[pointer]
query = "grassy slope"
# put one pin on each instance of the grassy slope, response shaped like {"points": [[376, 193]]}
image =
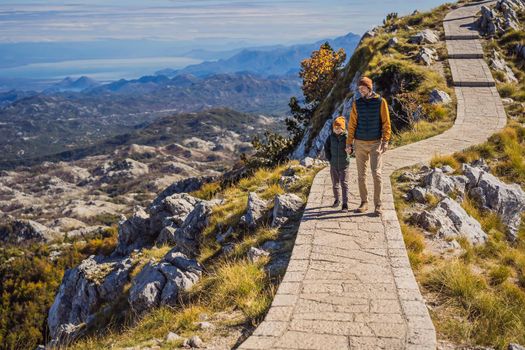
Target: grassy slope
{"points": [[373, 57], [234, 293], [478, 298]]}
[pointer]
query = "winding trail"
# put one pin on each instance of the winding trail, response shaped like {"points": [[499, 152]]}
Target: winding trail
{"points": [[349, 284]]}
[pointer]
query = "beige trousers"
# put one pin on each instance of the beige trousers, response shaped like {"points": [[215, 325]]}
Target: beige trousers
{"points": [[365, 151]]}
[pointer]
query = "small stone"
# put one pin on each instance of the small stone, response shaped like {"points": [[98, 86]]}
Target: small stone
{"points": [[286, 182], [285, 206], [454, 244], [255, 211], [447, 169], [408, 177], [206, 325], [172, 337], [393, 42], [438, 96], [195, 342], [222, 237], [427, 36], [514, 346], [307, 162], [228, 248], [426, 55], [254, 254], [271, 245]]}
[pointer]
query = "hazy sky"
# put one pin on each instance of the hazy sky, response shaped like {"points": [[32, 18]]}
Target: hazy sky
{"points": [[251, 22]]}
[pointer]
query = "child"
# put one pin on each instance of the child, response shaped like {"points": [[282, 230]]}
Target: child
{"points": [[335, 152]]}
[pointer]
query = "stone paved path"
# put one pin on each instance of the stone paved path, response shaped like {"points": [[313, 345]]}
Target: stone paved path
{"points": [[349, 284]]}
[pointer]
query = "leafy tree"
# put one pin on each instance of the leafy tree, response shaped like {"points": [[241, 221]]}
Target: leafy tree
{"points": [[29, 280], [319, 72]]}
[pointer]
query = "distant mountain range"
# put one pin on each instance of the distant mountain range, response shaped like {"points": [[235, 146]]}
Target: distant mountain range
{"points": [[274, 60], [46, 124], [70, 84]]}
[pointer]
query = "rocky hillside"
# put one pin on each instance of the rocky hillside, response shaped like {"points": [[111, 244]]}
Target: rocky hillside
{"points": [[83, 196], [193, 251], [464, 227], [406, 58], [463, 216]]}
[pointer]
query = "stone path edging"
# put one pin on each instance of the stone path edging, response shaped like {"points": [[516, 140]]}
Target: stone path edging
{"points": [[349, 284]]}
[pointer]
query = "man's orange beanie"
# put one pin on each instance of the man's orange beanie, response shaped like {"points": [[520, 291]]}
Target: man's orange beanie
{"points": [[339, 122], [366, 82]]}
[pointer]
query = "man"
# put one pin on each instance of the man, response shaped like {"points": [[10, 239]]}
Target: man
{"points": [[369, 132]]}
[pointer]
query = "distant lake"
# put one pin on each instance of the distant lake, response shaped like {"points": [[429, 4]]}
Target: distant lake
{"points": [[98, 69]]}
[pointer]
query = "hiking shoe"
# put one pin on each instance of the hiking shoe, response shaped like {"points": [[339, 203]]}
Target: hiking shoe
{"points": [[378, 210], [336, 203], [344, 207], [362, 208]]}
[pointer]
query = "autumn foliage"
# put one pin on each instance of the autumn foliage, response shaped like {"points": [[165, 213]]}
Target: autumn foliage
{"points": [[319, 72]]}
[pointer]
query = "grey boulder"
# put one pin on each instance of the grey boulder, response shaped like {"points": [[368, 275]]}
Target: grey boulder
{"points": [[439, 96], [84, 289], [255, 212], [160, 283], [426, 36], [449, 220], [285, 207]]}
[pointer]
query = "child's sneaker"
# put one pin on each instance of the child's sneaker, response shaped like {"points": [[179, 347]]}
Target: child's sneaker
{"points": [[345, 207], [336, 203]]}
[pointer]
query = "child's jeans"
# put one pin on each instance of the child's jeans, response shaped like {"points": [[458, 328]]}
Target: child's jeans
{"points": [[340, 180]]}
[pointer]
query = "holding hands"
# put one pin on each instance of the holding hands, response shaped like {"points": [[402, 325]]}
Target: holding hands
{"points": [[384, 146]]}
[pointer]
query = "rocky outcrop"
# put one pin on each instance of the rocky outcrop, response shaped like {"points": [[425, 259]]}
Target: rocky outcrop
{"points": [[187, 236], [499, 64], [449, 220], [122, 169], [82, 293], [255, 211], [18, 231], [160, 284], [171, 211], [317, 142], [134, 232], [490, 193], [285, 207], [507, 200], [176, 219], [438, 180], [186, 185], [500, 19]]}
